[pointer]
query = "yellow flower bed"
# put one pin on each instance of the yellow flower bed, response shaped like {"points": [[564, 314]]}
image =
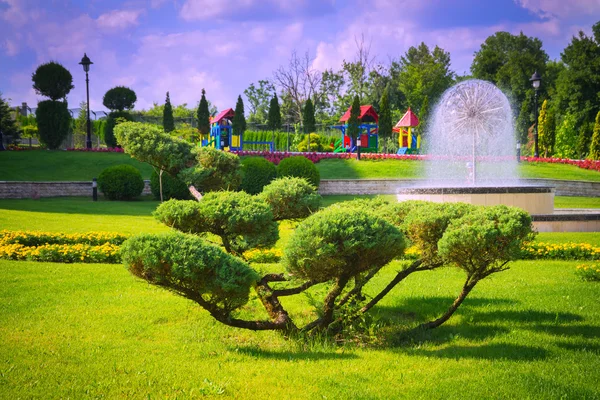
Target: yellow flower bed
{"points": [[263, 256], [563, 251], [91, 247], [588, 272]]}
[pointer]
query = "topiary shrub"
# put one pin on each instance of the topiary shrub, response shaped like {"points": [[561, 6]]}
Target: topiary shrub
{"points": [[191, 267], [121, 182], [256, 173], [242, 221], [172, 187], [215, 170], [291, 198], [53, 120], [114, 118], [119, 98], [316, 143], [300, 167], [52, 80]]}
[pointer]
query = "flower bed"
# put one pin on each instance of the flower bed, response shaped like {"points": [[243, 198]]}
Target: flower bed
{"points": [[588, 272], [585, 164], [31, 238], [97, 149], [563, 251]]}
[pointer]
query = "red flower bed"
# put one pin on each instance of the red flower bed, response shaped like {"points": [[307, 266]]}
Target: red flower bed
{"points": [[585, 164], [98, 149]]}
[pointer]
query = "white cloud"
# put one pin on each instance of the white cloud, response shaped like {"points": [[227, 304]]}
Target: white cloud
{"points": [[10, 47], [561, 8], [205, 9], [119, 19]]}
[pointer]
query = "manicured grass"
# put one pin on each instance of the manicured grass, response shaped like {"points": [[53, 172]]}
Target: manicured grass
{"points": [[576, 202], [46, 165], [88, 331], [43, 165]]}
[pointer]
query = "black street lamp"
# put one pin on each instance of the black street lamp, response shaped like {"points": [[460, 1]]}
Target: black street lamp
{"points": [[86, 62], [536, 80]]}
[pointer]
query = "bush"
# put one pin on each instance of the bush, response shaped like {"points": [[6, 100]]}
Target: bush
{"points": [[114, 118], [62, 253], [188, 265], [172, 187], [291, 198], [588, 272], [242, 221], [256, 173], [119, 98], [53, 81], [337, 243], [300, 167], [121, 182], [33, 238], [315, 143], [216, 170], [54, 120]]}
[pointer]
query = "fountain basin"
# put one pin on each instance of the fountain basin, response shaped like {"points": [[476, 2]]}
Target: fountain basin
{"points": [[533, 199]]}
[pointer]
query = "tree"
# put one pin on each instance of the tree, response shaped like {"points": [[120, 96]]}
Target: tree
{"points": [[8, 127], [203, 115], [594, 153], [424, 73], [385, 118], [509, 61], [168, 121], [239, 120], [119, 98], [258, 100], [424, 116], [584, 138], [308, 117], [353, 122], [80, 126], [274, 121], [566, 137], [52, 80], [545, 138]]}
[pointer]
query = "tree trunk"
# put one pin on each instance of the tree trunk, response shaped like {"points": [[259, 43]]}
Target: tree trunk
{"points": [[329, 304], [160, 184], [468, 286]]}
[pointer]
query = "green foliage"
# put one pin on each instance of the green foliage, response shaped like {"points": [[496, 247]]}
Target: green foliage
{"points": [[566, 137], [239, 120], [188, 265], [203, 115], [385, 116], [114, 118], [595, 144], [214, 170], [52, 80], [7, 123], [121, 182], [274, 121], [583, 139], [243, 222], [423, 116], [308, 117], [168, 121], [483, 240], [291, 198], [148, 143], [172, 187], [300, 167], [546, 129], [257, 172], [317, 143], [353, 122], [336, 243], [54, 121], [258, 100], [119, 98], [423, 73]]}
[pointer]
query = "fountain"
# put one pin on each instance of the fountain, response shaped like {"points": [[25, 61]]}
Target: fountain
{"points": [[471, 153]]}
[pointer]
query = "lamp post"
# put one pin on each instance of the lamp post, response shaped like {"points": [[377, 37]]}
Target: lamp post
{"points": [[536, 80], [86, 62]]}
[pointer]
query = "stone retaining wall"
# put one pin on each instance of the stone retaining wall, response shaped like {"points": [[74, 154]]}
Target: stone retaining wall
{"points": [[20, 190], [26, 190]]}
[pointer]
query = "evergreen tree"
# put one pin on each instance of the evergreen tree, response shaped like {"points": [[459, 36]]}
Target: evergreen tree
{"points": [[204, 115], [424, 116], [80, 126], [274, 121], [353, 121], [168, 121], [239, 120], [385, 117], [543, 134], [8, 126], [308, 117], [594, 153]]}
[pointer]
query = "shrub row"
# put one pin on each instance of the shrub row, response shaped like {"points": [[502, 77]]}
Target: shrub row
{"points": [[64, 253], [36, 238]]}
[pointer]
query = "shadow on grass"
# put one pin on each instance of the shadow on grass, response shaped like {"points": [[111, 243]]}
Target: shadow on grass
{"points": [[526, 317], [586, 331], [583, 347], [144, 206], [498, 351], [293, 355]]}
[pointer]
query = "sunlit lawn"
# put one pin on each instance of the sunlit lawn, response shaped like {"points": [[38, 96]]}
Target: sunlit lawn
{"points": [[93, 330]]}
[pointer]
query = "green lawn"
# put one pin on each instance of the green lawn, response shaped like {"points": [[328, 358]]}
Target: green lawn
{"points": [[93, 330], [44, 165], [576, 202]]}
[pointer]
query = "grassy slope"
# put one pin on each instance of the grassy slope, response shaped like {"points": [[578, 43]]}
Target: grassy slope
{"points": [[79, 331], [44, 165]]}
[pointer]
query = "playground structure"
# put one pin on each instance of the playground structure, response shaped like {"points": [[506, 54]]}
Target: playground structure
{"points": [[221, 134], [408, 142], [368, 128]]}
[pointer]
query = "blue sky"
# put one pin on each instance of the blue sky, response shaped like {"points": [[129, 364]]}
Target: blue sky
{"points": [[182, 46]]}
